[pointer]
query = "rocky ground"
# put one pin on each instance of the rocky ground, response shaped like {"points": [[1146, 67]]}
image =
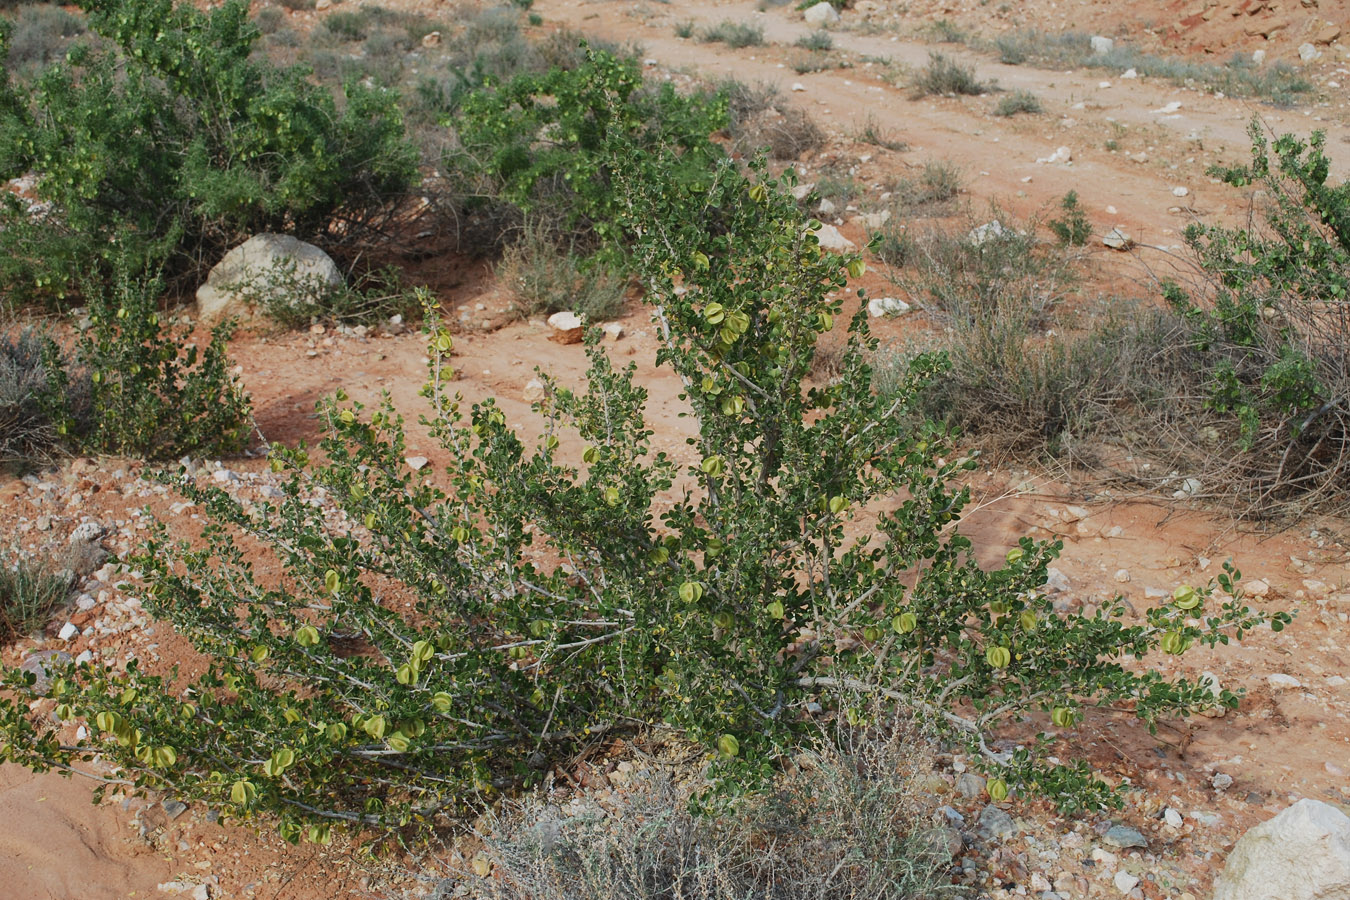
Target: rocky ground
{"points": [[1195, 787]]}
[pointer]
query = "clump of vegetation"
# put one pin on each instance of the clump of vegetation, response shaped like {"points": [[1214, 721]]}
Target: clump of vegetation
{"points": [[28, 432], [293, 300], [938, 184], [1270, 325], [172, 137], [847, 819], [30, 591], [547, 279], [817, 41], [1072, 229], [1018, 102], [153, 394], [39, 34], [946, 77], [876, 134], [1239, 77], [947, 32], [734, 34]]}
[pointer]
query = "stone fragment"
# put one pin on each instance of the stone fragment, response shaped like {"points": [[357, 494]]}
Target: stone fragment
{"points": [[830, 239], [568, 328], [879, 307], [1281, 682], [416, 463], [613, 331], [1123, 837], [1117, 239], [1102, 45], [534, 391], [821, 15], [994, 823], [970, 785], [1301, 854], [1125, 882], [40, 664]]}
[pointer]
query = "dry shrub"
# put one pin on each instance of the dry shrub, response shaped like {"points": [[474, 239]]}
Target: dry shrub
{"points": [[846, 820]]}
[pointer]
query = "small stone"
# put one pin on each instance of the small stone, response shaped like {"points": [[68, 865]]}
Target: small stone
{"points": [[1280, 682], [68, 631], [1221, 781], [821, 15], [1327, 34], [831, 240], [1102, 45], [568, 327], [416, 463], [970, 785], [85, 532], [1130, 73], [1257, 588], [534, 391], [1172, 818], [1123, 837], [1180, 191], [798, 86], [885, 307], [827, 208], [1333, 769], [174, 808], [431, 39], [613, 331], [1169, 108], [1123, 576], [1125, 882], [989, 231], [995, 823], [1116, 239], [1189, 488], [1258, 56], [1308, 52], [1056, 580], [38, 663]]}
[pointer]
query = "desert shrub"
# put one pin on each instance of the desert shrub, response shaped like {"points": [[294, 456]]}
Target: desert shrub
{"points": [[1018, 102], [946, 77], [40, 34], [153, 393], [433, 643], [30, 591], [1072, 229], [816, 41], [1271, 325], [297, 4], [547, 278], [28, 431], [170, 135], [564, 184], [347, 25], [269, 19], [733, 34], [947, 32], [847, 819], [873, 132], [685, 29]]}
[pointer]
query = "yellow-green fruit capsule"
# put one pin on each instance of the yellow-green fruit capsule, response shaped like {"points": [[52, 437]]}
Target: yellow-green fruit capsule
{"points": [[998, 789], [691, 592], [1186, 597], [905, 623], [998, 657], [1014, 556], [728, 746]]}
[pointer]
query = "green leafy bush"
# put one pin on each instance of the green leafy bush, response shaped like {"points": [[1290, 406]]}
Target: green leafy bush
{"points": [[435, 642], [1018, 102], [565, 183], [153, 393], [1072, 229], [1270, 327], [946, 77], [734, 34], [171, 135]]}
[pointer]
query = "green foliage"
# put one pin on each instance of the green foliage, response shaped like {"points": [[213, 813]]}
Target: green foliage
{"points": [[946, 77], [567, 180], [41, 33], [153, 393], [171, 135], [1018, 102], [1273, 333], [296, 301], [1073, 229], [435, 641], [30, 591]]}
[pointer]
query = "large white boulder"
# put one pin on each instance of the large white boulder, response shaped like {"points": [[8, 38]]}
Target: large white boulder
{"points": [[1301, 854], [263, 262], [821, 15]]}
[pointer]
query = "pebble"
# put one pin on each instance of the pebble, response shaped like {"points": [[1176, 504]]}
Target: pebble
{"points": [[1221, 781], [416, 462], [1180, 191], [970, 785], [1125, 882], [1123, 837], [1123, 575], [37, 664], [995, 823], [68, 631], [1280, 681], [1172, 817]]}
